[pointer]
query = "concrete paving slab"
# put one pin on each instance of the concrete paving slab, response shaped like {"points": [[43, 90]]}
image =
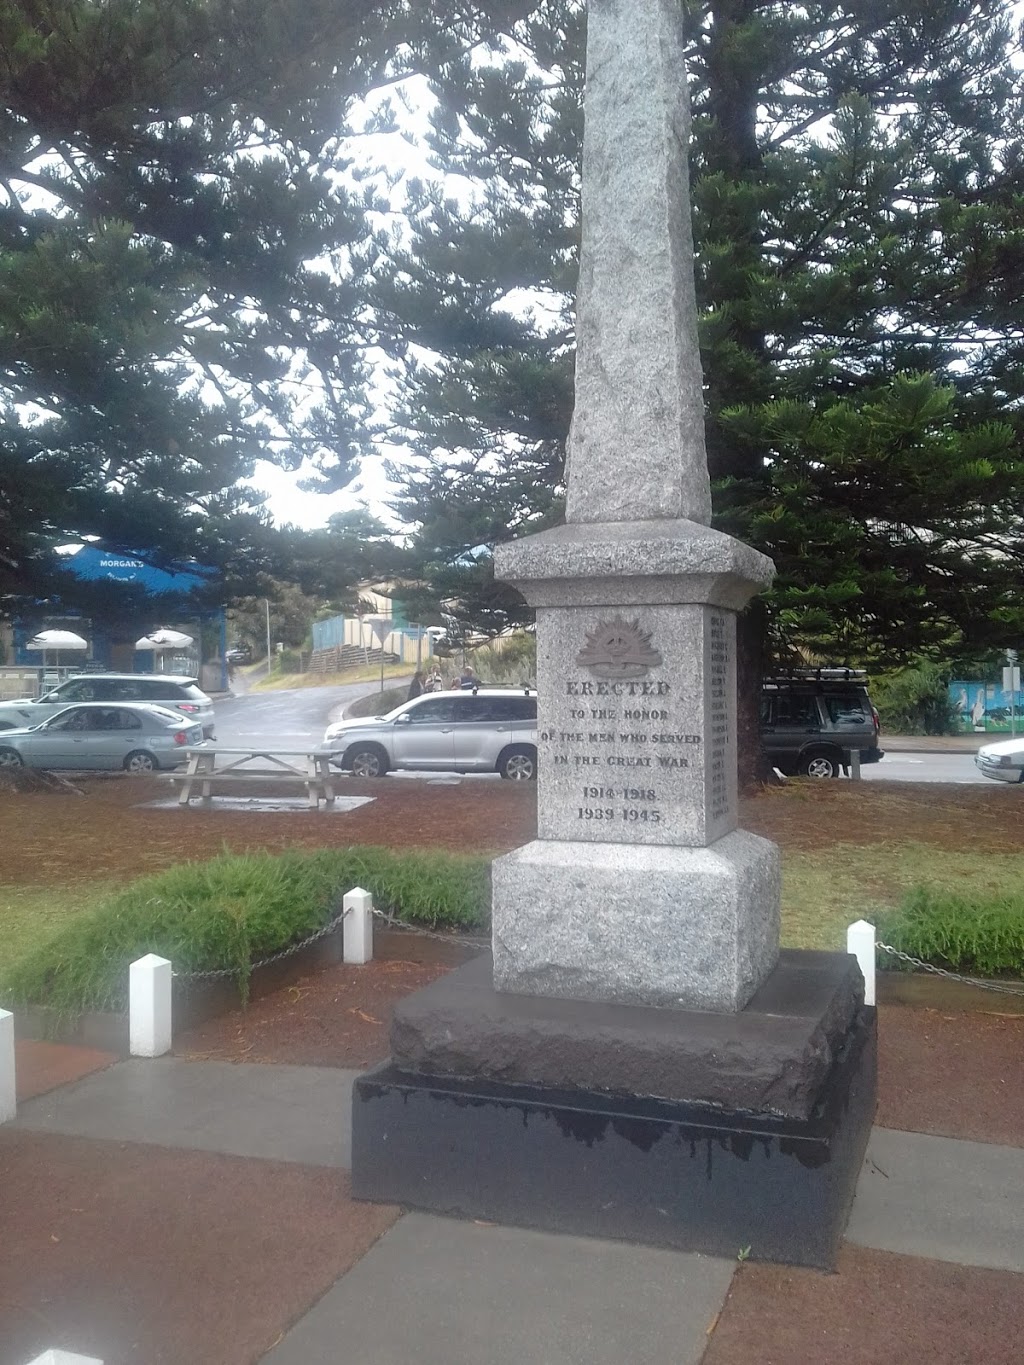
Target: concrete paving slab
{"points": [[940, 1197], [441, 1292], [281, 1113]]}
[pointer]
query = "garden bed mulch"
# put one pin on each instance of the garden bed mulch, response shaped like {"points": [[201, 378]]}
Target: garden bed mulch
{"points": [[53, 837], [810, 815], [879, 1309], [146, 1255], [41, 1065], [954, 1075], [337, 1016]]}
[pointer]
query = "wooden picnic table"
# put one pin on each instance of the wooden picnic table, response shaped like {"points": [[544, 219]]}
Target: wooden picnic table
{"points": [[207, 766]]}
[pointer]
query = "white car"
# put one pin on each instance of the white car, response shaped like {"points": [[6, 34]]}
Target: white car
{"points": [[171, 690], [485, 729], [1003, 761]]}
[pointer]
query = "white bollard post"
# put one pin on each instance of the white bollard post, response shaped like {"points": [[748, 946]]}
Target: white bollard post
{"points": [[357, 934], [8, 1092], [64, 1358], [149, 1006], [860, 940]]}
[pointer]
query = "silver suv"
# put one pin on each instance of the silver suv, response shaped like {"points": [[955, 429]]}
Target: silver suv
{"points": [[482, 730], [168, 689]]}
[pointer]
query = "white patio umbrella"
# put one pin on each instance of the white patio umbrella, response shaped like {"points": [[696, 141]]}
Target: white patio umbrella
{"points": [[163, 639], [56, 640]]}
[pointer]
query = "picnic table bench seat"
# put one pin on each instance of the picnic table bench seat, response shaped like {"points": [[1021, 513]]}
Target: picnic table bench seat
{"points": [[308, 767]]}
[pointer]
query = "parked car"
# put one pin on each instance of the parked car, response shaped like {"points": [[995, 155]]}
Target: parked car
{"points": [[173, 690], [812, 719], [487, 729], [138, 737], [1003, 761], [239, 654]]}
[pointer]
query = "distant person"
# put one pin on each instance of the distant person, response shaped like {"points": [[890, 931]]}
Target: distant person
{"points": [[435, 683], [469, 678], [416, 686], [456, 683]]}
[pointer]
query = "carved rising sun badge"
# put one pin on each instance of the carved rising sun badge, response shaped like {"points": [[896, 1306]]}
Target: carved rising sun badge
{"points": [[619, 649]]}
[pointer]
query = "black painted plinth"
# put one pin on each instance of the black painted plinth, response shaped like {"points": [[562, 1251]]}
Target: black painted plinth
{"points": [[666, 1173], [775, 1055]]}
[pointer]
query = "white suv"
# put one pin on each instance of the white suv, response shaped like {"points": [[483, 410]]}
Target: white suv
{"points": [[168, 689], [478, 730]]}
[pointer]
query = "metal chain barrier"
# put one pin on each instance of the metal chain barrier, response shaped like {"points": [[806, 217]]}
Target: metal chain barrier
{"points": [[472, 941], [996, 986], [218, 973], [481, 941]]}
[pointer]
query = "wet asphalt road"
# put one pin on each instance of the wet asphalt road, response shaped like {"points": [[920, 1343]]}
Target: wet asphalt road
{"points": [[281, 719], [956, 768]]}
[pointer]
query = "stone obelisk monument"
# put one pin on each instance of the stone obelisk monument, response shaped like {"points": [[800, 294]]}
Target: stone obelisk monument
{"points": [[640, 1061], [639, 888]]}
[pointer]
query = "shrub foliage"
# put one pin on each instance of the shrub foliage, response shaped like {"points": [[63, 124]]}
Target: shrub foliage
{"points": [[972, 934], [234, 910]]}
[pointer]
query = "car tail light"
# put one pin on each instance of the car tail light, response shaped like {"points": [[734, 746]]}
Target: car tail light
{"points": [[181, 737], [187, 706], [877, 719]]}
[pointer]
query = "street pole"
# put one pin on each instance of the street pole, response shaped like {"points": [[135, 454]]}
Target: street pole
{"points": [[1011, 659], [267, 601]]}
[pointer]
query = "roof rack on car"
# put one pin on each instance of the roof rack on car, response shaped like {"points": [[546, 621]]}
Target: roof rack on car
{"points": [[525, 688], [790, 675]]}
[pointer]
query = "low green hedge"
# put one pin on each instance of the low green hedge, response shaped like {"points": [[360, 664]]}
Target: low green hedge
{"points": [[232, 911], [976, 935]]}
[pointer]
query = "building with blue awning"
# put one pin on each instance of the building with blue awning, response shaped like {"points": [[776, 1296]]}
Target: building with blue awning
{"points": [[163, 598]]}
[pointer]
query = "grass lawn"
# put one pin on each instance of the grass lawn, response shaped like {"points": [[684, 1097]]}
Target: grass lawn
{"points": [[257, 679], [30, 914], [824, 892], [848, 849]]}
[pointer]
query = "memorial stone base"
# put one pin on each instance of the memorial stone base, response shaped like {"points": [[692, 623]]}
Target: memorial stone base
{"points": [[688, 928], [688, 1129]]}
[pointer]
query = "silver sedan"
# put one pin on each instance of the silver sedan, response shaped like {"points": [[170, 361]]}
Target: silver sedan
{"points": [[139, 737]]}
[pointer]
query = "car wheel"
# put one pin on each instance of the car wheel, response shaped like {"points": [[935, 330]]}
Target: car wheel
{"points": [[519, 764], [139, 761], [10, 758], [822, 763], [367, 760]]}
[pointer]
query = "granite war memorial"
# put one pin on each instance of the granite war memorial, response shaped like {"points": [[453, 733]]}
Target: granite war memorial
{"points": [[636, 1058]]}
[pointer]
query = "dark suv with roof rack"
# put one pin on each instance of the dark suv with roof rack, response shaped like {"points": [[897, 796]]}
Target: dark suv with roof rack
{"points": [[812, 720]]}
